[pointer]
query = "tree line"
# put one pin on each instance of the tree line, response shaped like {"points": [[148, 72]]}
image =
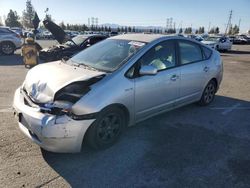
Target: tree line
{"points": [[14, 20]]}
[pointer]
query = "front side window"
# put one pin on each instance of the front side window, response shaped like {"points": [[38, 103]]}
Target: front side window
{"points": [[161, 56], [107, 55], [189, 52]]}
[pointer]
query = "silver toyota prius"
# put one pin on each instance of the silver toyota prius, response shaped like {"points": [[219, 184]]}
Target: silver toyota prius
{"points": [[118, 82]]}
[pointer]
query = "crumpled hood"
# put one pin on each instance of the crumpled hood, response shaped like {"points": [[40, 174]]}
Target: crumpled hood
{"points": [[43, 81]]}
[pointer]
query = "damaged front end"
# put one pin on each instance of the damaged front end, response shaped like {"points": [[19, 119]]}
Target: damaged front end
{"points": [[52, 125], [66, 97]]}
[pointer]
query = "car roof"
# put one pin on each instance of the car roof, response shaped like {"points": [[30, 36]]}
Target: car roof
{"points": [[4, 27], [139, 37], [92, 35]]}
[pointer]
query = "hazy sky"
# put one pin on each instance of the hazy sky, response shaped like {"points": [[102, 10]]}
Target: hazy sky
{"points": [[140, 12]]}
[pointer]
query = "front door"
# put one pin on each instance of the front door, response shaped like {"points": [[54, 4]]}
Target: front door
{"points": [[156, 93]]}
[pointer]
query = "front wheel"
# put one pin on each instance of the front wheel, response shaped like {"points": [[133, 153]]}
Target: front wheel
{"points": [[106, 129], [7, 48], [208, 94]]}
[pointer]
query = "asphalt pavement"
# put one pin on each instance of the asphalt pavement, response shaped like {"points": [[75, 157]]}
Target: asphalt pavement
{"points": [[191, 146]]}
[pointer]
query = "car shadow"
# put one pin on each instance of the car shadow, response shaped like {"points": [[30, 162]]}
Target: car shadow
{"points": [[13, 60], [188, 147], [237, 52], [10, 60]]}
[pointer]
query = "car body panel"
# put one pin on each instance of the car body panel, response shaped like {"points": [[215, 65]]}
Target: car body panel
{"points": [[58, 134], [43, 88], [152, 87], [56, 31], [142, 97], [6, 35]]}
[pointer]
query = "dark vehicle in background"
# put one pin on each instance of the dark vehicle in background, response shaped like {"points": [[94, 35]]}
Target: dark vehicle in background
{"points": [[113, 33], [239, 39], [67, 47], [9, 41], [246, 38]]}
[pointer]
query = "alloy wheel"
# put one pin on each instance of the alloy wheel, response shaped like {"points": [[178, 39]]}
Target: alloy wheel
{"points": [[109, 128]]}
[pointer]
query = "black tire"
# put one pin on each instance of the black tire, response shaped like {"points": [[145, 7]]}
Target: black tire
{"points": [[208, 94], [7, 48], [103, 133]]}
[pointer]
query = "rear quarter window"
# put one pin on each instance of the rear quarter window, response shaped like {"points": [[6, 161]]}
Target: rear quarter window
{"points": [[189, 52], [206, 52]]}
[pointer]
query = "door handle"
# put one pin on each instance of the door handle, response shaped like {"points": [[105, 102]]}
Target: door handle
{"points": [[174, 77], [206, 69]]}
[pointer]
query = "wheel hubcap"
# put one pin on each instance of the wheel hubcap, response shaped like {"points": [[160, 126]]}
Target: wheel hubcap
{"points": [[7, 48], [209, 93], [109, 127]]}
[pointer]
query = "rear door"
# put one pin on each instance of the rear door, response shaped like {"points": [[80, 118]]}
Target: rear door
{"points": [[192, 71], [156, 93]]}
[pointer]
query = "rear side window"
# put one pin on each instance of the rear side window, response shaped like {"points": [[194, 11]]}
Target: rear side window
{"points": [[189, 52], [207, 52]]}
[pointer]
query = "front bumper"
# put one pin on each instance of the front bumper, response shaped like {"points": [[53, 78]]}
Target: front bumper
{"points": [[53, 133]]}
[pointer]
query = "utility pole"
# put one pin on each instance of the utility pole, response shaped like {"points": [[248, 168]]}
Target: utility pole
{"points": [[229, 21]]}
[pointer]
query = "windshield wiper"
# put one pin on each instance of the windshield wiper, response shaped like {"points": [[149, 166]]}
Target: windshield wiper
{"points": [[89, 67]]}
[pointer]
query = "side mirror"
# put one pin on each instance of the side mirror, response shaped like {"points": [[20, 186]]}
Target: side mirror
{"points": [[148, 70]]}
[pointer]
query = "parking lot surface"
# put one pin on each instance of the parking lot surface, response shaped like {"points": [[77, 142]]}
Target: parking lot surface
{"points": [[189, 147]]}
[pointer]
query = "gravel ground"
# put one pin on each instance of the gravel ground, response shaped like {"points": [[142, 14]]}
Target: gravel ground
{"points": [[189, 147]]}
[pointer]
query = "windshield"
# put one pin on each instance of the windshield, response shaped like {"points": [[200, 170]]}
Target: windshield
{"points": [[78, 40], [108, 55]]}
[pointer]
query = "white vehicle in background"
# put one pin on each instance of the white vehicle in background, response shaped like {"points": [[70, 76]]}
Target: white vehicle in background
{"points": [[218, 43], [9, 41]]}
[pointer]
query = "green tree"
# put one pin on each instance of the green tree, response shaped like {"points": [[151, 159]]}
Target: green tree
{"points": [[196, 31], [12, 19], [217, 30], [180, 30], [28, 15], [133, 29], [236, 29], [212, 31], [188, 30], [1, 23], [48, 17], [201, 30], [62, 25]]}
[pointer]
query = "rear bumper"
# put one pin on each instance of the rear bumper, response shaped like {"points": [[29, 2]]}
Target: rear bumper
{"points": [[53, 133]]}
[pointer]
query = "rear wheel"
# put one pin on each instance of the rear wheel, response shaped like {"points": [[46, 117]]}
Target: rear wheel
{"points": [[7, 48], [106, 129], [208, 94]]}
